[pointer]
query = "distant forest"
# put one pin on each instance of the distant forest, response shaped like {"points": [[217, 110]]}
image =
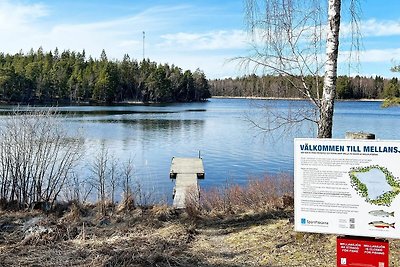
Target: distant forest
{"points": [[71, 77], [277, 86]]}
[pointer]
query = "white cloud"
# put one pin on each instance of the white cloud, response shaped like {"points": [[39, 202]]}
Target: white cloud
{"points": [[380, 28], [373, 55], [130, 43], [25, 27], [373, 28], [19, 17], [213, 40], [214, 66]]}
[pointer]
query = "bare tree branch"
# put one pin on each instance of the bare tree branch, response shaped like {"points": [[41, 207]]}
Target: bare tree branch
{"points": [[299, 40], [37, 156]]}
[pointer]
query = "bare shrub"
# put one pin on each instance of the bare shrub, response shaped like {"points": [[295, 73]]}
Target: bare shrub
{"points": [[287, 201], [114, 177], [128, 199], [127, 174], [212, 200], [108, 176], [143, 196], [192, 202], [99, 171], [104, 208], [258, 195], [77, 189], [37, 156], [105, 178]]}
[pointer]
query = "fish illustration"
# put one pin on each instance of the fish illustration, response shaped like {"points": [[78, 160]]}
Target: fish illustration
{"points": [[381, 213], [381, 224]]}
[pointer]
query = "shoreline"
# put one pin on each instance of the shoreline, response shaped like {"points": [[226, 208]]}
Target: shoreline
{"points": [[291, 98], [149, 103]]}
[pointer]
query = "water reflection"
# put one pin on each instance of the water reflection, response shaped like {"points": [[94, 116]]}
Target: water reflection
{"points": [[94, 112], [151, 124]]}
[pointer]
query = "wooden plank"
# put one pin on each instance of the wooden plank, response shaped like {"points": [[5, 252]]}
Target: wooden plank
{"points": [[185, 184], [186, 171], [187, 165]]}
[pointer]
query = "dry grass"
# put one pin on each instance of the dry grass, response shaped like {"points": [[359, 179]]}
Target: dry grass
{"points": [[127, 203], [248, 226], [160, 236], [267, 194], [135, 239], [275, 244]]}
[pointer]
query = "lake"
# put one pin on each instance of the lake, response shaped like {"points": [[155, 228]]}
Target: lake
{"points": [[375, 181], [233, 150]]}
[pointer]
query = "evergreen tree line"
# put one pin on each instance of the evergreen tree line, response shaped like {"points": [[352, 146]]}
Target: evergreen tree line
{"points": [[278, 86], [70, 77]]}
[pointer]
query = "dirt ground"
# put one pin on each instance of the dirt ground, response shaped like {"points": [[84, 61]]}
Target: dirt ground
{"points": [[162, 237]]}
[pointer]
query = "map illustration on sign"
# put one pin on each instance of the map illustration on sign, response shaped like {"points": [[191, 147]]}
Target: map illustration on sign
{"points": [[375, 184]]}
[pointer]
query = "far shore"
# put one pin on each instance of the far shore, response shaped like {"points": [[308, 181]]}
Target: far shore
{"points": [[291, 98]]}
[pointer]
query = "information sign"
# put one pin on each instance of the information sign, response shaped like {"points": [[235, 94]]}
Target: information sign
{"points": [[365, 252], [347, 187]]}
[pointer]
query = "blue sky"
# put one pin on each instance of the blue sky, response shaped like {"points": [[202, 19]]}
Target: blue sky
{"points": [[191, 34]]}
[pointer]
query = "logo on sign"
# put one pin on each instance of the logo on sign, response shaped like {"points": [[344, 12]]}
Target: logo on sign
{"points": [[304, 221], [343, 261]]}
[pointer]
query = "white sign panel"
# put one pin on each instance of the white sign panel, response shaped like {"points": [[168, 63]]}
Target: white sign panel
{"points": [[347, 187]]}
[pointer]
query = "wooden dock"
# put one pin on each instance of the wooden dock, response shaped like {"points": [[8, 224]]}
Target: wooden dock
{"points": [[186, 171]]}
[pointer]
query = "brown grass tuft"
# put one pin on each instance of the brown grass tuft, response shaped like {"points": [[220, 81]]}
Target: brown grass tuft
{"points": [[269, 193], [127, 203], [192, 202], [75, 213]]}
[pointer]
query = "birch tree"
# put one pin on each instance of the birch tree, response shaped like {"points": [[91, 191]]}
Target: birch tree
{"points": [[325, 122], [299, 40]]}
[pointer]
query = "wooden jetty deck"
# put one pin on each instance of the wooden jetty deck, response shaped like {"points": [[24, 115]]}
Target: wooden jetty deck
{"points": [[186, 171]]}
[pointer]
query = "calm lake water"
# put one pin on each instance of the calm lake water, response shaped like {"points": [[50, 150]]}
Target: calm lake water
{"points": [[232, 149]]}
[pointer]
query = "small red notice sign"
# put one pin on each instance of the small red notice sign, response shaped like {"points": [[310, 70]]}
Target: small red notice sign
{"points": [[359, 251]]}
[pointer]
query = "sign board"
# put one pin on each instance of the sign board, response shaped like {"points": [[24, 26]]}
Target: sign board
{"points": [[347, 187], [365, 252]]}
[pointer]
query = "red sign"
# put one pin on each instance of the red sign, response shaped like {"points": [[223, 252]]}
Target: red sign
{"points": [[359, 251]]}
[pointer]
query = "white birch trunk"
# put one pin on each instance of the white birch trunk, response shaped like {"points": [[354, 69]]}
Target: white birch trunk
{"points": [[332, 46]]}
